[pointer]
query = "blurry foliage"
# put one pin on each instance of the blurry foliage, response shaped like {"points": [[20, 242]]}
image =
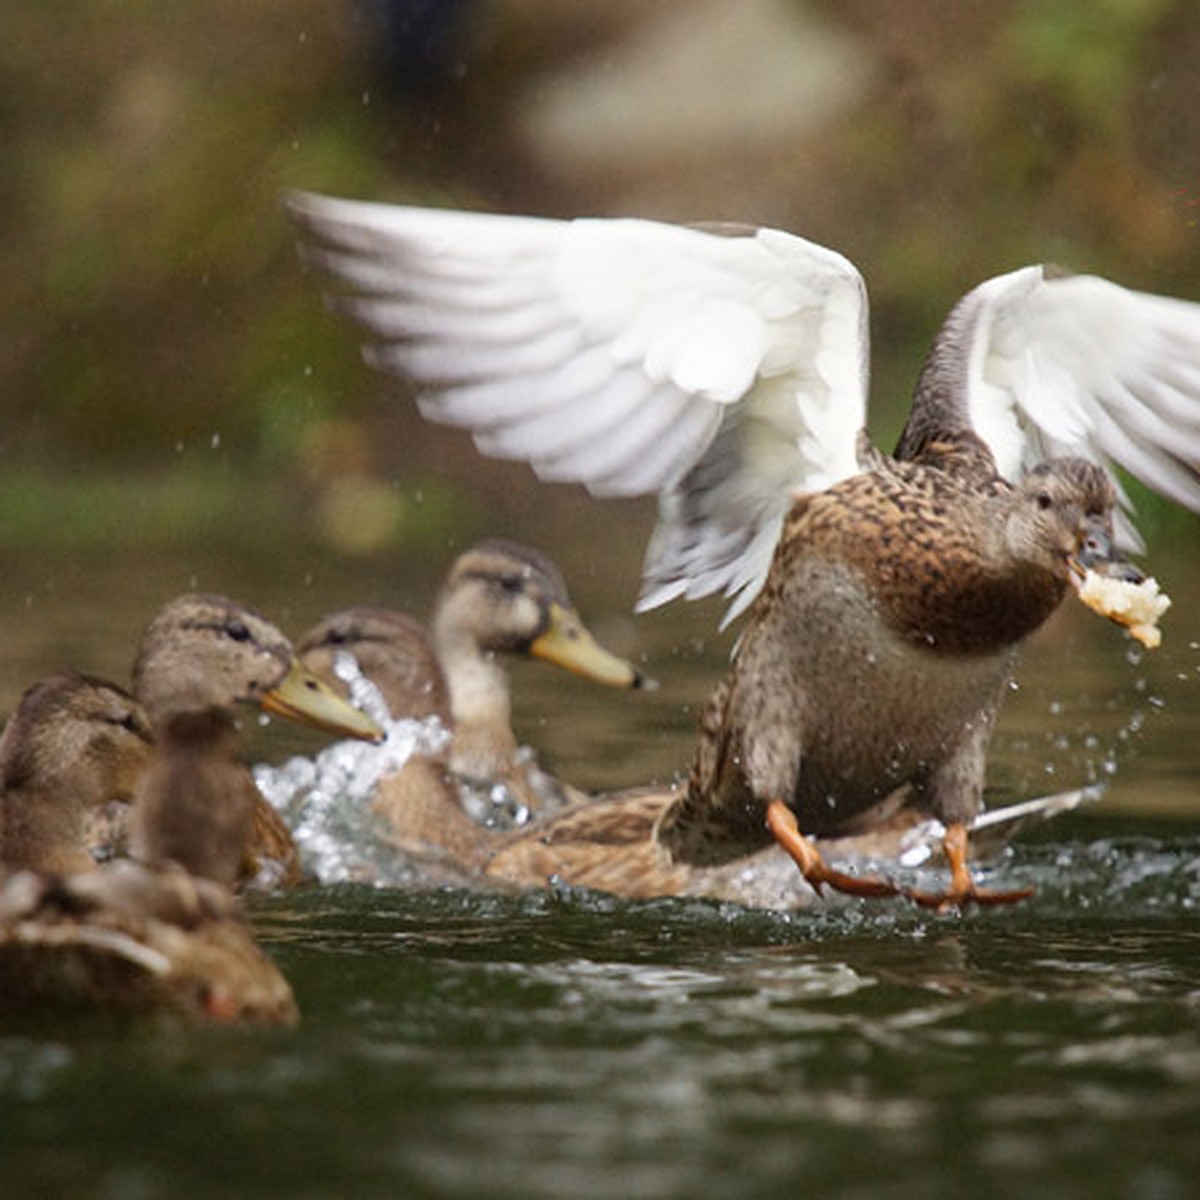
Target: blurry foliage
{"points": [[153, 298]]}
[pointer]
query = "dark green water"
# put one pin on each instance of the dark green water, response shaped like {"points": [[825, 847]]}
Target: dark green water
{"points": [[566, 1044], [556, 1045]]}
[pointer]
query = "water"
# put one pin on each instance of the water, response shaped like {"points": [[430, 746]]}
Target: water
{"points": [[563, 1043]]}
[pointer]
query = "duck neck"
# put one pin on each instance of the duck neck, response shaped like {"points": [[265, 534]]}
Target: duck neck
{"points": [[480, 704]]}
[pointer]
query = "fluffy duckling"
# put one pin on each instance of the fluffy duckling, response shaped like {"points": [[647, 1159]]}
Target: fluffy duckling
{"points": [[498, 599], [74, 745], [725, 369]]}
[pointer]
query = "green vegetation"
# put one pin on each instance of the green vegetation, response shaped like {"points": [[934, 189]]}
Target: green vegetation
{"points": [[153, 296]]}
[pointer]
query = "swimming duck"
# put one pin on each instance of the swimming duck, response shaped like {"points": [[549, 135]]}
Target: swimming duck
{"points": [[199, 657], [725, 369], [499, 599], [73, 745], [130, 938], [162, 933], [125, 936]]}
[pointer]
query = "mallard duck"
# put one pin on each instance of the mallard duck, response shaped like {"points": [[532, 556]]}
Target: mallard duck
{"points": [[130, 938], [499, 599], [613, 844], [725, 369], [126, 936], [162, 933], [199, 657], [73, 745]]}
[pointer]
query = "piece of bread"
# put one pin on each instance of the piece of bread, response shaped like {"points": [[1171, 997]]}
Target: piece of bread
{"points": [[1137, 606]]}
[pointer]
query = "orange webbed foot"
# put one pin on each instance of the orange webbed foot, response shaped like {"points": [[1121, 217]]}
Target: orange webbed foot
{"points": [[781, 821], [962, 890]]}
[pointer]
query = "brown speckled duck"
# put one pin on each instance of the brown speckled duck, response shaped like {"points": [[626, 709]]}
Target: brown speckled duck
{"points": [[161, 934], [499, 599], [725, 369], [199, 657], [73, 746]]}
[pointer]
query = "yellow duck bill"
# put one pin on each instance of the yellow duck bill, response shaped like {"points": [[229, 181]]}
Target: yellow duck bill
{"points": [[567, 643], [300, 696]]}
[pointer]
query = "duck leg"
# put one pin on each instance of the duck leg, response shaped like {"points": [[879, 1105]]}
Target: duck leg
{"points": [[781, 821], [963, 889]]}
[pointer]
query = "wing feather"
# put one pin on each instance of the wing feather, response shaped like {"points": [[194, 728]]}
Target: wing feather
{"points": [[721, 372], [1076, 364]]}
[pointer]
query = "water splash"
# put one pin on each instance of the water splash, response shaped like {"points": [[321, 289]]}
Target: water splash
{"points": [[326, 800]]}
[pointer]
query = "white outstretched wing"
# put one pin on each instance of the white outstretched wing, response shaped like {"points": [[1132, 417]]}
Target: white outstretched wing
{"points": [[1074, 364], [723, 370]]}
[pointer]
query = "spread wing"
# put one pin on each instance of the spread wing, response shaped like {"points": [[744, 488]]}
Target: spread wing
{"points": [[1041, 364], [720, 369]]}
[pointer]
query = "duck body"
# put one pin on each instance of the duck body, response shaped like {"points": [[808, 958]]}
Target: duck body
{"points": [[136, 940], [879, 650], [198, 798]]}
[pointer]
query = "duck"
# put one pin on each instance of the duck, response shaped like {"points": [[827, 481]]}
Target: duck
{"points": [[500, 599], [162, 932], [612, 844], [126, 936], [199, 657], [74, 745], [129, 939], [724, 369]]}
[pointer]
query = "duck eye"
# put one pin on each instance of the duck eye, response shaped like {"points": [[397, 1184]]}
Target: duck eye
{"points": [[237, 631], [1044, 500], [128, 722], [510, 583], [336, 637]]}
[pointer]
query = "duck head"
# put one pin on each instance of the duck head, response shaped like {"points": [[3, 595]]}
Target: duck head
{"points": [[205, 651], [392, 650], [502, 598], [74, 744], [1062, 521]]}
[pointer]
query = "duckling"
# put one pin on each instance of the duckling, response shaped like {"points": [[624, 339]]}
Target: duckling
{"points": [[499, 598], [725, 369], [73, 745], [199, 656]]}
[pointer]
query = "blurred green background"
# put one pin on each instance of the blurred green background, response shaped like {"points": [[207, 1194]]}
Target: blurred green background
{"points": [[168, 375]]}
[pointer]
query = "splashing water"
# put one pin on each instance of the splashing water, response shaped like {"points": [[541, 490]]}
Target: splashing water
{"points": [[326, 800]]}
